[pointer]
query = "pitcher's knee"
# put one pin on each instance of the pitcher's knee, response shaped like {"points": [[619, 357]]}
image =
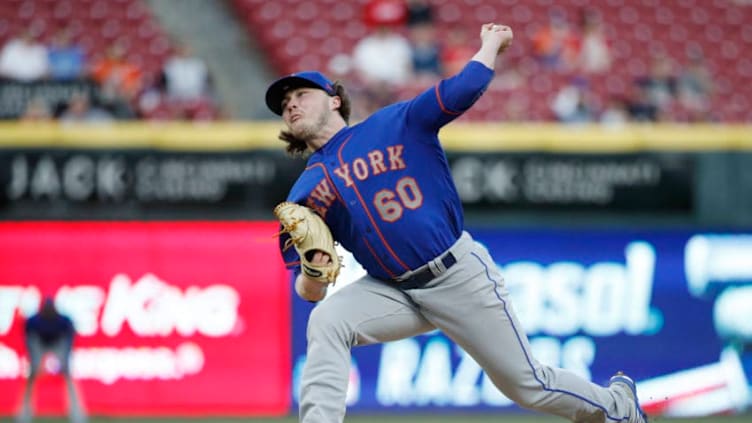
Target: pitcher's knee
{"points": [[525, 401], [327, 322]]}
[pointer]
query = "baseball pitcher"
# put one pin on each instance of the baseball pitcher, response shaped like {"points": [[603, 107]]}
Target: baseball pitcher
{"points": [[382, 189]]}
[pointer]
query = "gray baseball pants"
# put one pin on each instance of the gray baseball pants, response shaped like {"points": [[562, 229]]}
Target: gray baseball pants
{"points": [[62, 350], [468, 303]]}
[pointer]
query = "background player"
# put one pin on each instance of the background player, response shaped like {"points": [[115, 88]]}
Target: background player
{"points": [[384, 188], [48, 331]]}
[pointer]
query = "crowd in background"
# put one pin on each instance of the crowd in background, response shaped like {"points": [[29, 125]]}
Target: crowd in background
{"points": [[181, 90], [404, 49]]}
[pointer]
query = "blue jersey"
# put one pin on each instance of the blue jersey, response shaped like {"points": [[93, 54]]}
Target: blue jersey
{"points": [[384, 186], [50, 329]]}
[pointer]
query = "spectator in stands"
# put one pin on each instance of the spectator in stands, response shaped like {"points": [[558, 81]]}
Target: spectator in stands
{"points": [[595, 54], [382, 60], [80, 109], [660, 84], [640, 106], [556, 45], [186, 76], [615, 114], [23, 58], [184, 88], [37, 110], [572, 104], [426, 52], [116, 75], [49, 331], [66, 60], [694, 88], [426, 47], [384, 56]]}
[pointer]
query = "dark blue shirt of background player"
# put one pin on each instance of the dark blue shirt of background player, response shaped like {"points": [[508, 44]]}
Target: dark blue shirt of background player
{"points": [[49, 326]]}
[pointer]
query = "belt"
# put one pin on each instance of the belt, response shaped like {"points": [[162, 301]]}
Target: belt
{"points": [[425, 275]]}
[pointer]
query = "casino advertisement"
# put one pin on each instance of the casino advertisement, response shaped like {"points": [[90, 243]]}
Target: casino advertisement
{"points": [[173, 318], [670, 308]]}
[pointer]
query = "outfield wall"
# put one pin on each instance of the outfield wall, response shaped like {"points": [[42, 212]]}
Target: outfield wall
{"points": [[688, 174], [622, 249]]}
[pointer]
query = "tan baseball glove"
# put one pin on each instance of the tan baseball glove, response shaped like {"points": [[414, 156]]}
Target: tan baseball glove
{"points": [[309, 234]]}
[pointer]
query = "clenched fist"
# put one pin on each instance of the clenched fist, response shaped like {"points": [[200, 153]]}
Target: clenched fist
{"points": [[498, 35]]}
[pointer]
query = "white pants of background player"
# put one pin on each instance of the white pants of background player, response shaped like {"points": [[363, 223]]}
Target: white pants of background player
{"points": [[470, 304], [61, 350]]}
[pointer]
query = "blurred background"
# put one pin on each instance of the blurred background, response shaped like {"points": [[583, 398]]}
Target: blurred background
{"points": [[608, 168]]}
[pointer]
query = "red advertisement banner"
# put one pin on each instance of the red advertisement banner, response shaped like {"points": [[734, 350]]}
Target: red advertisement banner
{"points": [[172, 318]]}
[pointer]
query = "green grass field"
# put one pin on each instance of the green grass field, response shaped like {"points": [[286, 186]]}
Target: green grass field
{"points": [[405, 418]]}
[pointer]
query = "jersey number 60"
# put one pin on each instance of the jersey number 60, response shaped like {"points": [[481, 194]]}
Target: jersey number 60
{"points": [[390, 204]]}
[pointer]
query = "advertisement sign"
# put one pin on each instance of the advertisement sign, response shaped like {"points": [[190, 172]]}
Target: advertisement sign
{"points": [[624, 181], [180, 319], [163, 184], [142, 184], [670, 308]]}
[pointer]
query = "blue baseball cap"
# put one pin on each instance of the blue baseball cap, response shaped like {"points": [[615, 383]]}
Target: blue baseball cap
{"points": [[311, 79]]}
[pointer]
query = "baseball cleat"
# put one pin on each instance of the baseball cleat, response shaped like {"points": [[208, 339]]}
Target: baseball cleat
{"points": [[628, 385]]}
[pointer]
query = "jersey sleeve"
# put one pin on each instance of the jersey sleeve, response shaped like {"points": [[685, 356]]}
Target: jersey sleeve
{"points": [[451, 97]]}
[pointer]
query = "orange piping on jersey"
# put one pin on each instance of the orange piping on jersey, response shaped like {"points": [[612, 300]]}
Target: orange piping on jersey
{"points": [[441, 104], [368, 213], [292, 263], [376, 256], [326, 175]]}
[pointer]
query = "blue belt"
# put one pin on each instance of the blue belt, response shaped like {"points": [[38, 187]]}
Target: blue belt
{"points": [[420, 278]]}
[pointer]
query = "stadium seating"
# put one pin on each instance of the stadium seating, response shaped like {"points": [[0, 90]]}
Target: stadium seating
{"points": [[94, 24], [303, 35], [97, 24]]}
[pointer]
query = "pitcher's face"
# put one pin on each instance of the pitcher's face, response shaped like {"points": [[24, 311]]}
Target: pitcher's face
{"points": [[306, 111]]}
